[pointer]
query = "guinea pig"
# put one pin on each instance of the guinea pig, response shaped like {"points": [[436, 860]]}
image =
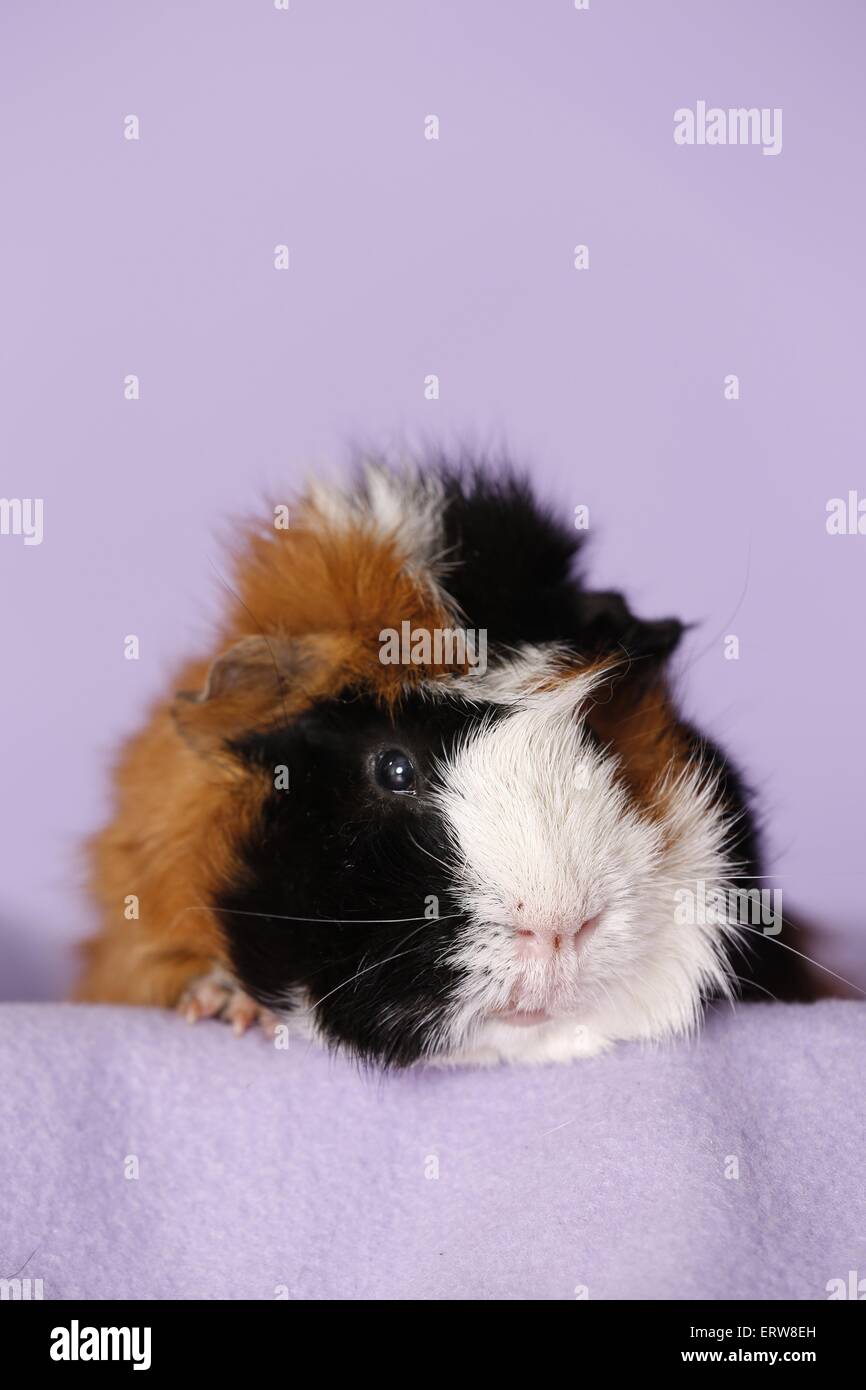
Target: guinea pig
{"points": [[429, 798]]}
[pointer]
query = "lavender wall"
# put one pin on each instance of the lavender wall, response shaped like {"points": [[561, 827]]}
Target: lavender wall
{"points": [[411, 256]]}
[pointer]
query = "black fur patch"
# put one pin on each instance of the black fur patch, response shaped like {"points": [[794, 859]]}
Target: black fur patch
{"points": [[515, 574], [763, 962], [513, 560], [336, 852]]}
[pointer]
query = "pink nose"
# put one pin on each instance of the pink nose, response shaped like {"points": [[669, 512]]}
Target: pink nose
{"points": [[556, 936]]}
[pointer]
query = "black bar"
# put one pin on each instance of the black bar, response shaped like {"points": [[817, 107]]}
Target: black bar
{"points": [[252, 1338]]}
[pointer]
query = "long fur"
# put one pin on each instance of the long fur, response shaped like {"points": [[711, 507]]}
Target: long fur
{"points": [[561, 803]]}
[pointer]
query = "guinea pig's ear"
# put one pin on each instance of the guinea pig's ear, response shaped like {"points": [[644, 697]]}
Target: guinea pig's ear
{"points": [[246, 686], [608, 627]]}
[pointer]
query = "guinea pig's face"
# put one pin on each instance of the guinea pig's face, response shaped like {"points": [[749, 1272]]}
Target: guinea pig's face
{"points": [[470, 872]]}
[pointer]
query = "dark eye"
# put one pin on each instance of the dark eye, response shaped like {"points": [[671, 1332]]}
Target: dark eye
{"points": [[395, 771]]}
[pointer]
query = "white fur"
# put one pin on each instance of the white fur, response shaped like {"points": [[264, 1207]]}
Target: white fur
{"points": [[538, 817], [404, 506], [515, 675]]}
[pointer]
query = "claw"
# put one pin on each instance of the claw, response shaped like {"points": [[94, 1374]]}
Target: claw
{"points": [[217, 996]]}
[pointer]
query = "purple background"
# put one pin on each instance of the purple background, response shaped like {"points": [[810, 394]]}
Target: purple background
{"points": [[408, 257]]}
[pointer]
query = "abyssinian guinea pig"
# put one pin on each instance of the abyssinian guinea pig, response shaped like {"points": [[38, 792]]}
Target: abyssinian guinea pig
{"points": [[429, 798]]}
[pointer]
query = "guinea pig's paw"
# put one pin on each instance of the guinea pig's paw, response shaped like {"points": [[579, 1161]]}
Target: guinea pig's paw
{"points": [[561, 1040], [580, 1041], [216, 995]]}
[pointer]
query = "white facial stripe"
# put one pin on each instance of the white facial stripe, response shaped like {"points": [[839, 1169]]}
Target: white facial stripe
{"points": [[521, 676], [544, 838]]}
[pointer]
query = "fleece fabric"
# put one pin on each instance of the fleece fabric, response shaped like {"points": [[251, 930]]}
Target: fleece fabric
{"points": [[144, 1158]]}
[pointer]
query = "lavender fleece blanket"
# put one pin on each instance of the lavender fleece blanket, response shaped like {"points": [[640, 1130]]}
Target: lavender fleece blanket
{"points": [[142, 1158]]}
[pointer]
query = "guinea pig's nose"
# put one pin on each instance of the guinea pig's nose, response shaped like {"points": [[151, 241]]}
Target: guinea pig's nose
{"points": [[556, 935]]}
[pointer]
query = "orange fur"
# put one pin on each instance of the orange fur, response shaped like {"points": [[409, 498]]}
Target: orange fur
{"points": [[639, 723], [320, 597]]}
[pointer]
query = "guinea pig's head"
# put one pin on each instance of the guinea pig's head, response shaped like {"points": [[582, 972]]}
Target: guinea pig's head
{"points": [[483, 861]]}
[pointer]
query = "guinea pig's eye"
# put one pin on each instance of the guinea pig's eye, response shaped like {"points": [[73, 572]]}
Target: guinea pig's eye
{"points": [[394, 771]]}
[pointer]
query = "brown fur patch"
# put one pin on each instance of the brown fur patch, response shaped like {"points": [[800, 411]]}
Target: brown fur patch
{"points": [[638, 722], [349, 582], [636, 719], [304, 623]]}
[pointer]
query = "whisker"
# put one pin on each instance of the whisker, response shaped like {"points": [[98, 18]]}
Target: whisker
{"points": [[736, 874], [742, 927], [365, 971], [753, 984], [430, 854], [337, 921]]}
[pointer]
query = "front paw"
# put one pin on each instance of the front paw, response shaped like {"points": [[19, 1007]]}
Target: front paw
{"points": [[216, 995]]}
